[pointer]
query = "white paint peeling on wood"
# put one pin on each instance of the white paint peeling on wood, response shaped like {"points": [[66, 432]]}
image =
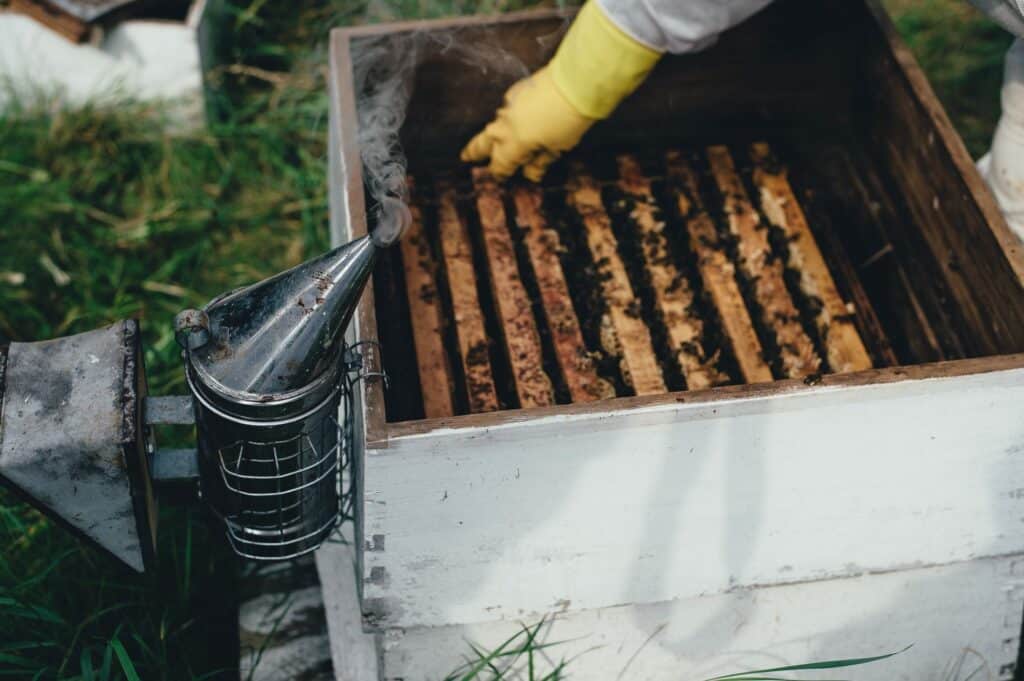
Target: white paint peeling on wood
{"points": [[965, 615], [674, 501]]}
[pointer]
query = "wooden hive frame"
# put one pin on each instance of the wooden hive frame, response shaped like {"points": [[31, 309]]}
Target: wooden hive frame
{"points": [[717, 271], [764, 274], [436, 381], [461, 275], [623, 334], [518, 329], [543, 247], [845, 351], [674, 296], [490, 517]]}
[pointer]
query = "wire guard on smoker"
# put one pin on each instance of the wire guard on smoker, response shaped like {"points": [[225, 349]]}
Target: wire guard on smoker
{"points": [[283, 489], [291, 493]]}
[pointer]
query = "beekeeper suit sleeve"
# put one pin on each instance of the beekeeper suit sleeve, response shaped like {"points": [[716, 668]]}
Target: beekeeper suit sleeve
{"points": [[678, 26]]}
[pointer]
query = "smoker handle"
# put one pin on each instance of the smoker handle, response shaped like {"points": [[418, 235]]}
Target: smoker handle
{"points": [[175, 472], [175, 475], [170, 410], [175, 466]]}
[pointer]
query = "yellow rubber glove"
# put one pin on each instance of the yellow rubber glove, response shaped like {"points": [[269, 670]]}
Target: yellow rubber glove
{"points": [[595, 68]]}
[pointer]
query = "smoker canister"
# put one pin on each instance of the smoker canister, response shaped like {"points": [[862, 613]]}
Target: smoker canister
{"points": [[264, 366]]}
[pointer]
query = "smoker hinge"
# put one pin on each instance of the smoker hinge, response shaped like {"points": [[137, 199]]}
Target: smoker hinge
{"points": [[355, 359]]}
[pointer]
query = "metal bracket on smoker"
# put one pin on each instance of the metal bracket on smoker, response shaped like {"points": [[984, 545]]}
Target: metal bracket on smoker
{"points": [[172, 469], [355, 365]]}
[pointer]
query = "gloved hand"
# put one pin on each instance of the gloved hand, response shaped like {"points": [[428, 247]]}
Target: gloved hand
{"points": [[533, 127], [596, 66]]}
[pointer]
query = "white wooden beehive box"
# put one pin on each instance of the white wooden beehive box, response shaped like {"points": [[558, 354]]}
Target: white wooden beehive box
{"points": [[688, 533]]}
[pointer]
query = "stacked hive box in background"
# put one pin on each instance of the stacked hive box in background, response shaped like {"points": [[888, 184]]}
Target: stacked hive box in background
{"points": [[101, 51]]}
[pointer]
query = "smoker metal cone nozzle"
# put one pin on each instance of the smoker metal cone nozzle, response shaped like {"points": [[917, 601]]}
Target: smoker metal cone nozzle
{"points": [[279, 335]]}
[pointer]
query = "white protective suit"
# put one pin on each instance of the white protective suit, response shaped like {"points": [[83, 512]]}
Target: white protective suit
{"points": [[680, 26]]}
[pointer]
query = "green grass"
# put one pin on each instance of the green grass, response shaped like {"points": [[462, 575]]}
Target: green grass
{"points": [[522, 653], [106, 216], [961, 50]]}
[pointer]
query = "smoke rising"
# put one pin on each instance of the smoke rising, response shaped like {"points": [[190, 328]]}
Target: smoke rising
{"points": [[383, 74], [384, 71]]}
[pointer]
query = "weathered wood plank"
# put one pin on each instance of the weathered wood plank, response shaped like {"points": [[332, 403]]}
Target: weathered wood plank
{"points": [[844, 348], [70, 27], [717, 272], [469, 319], [764, 272], [970, 610], [673, 292], [979, 257], [426, 316], [543, 246], [623, 333], [876, 237], [346, 195], [515, 312]]}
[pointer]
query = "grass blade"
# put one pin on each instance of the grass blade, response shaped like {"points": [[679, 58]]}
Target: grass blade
{"points": [[15, 608], [827, 664], [107, 661], [7, 659], [770, 678], [85, 666], [126, 662]]}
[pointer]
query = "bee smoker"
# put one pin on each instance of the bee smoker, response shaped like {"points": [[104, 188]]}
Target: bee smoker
{"points": [[269, 380], [266, 372]]}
